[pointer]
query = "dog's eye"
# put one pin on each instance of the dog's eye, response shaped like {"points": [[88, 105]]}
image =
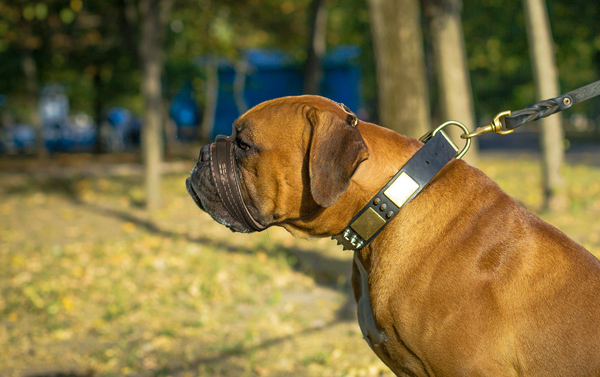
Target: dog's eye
{"points": [[243, 146]]}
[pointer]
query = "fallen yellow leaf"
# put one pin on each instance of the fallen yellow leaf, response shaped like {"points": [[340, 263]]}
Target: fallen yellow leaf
{"points": [[129, 227], [67, 303]]}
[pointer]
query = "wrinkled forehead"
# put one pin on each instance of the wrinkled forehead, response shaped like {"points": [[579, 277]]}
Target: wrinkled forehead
{"points": [[272, 120], [282, 115]]}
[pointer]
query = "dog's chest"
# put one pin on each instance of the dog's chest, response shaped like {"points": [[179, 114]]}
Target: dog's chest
{"points": [[375, 337]]}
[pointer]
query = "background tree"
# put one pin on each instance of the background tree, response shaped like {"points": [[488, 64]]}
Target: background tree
{"points": [[154, 15], [30, 73], [91, 47], [401, 79], [316, 47], [541, 49], [450, 60]]}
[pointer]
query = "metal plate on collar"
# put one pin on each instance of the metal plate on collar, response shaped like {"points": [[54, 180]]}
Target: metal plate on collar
{"points": [[368, 224], [401, 189]]}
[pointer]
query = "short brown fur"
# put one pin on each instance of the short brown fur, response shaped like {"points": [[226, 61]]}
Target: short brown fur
{"points": [[464, 282]]}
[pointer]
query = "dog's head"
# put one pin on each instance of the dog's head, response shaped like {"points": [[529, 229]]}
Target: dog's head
{"points": [[286, 159]]}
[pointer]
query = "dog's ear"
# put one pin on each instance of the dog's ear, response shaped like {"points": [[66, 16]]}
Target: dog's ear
{"points": [[336, 150]]}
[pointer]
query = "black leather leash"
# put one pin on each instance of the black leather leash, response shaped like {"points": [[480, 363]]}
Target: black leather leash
{"points": [[542, 109], [551, 106]]}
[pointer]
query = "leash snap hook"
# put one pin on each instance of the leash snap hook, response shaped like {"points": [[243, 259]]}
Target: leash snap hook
{"points": [[495, 126], [440, 128]]}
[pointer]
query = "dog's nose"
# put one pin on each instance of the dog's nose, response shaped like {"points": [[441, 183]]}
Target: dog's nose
{"points": [[204, 154]]}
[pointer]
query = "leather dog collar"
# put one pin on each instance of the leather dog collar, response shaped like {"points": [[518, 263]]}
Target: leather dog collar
{"points": [[412, 178]]}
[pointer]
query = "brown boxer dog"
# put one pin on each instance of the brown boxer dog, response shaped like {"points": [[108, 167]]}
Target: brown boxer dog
{"points": [[463, 282]]}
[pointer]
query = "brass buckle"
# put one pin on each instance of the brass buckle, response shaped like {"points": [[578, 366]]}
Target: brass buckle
{"points": [[440, 128], [495, 126]]}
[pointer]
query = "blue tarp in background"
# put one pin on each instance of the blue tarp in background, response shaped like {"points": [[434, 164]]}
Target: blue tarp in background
{"points": [[269, 74], [273, 73]]}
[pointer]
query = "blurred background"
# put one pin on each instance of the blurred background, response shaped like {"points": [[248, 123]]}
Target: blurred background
{"points": [[74, 69], [107, 268]]}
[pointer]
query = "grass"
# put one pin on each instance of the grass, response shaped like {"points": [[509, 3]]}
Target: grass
{"points": [[90, 284]]}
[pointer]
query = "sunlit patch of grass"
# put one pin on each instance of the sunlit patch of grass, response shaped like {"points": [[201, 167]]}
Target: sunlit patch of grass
{"points": [[89, 281], [92, 282]]}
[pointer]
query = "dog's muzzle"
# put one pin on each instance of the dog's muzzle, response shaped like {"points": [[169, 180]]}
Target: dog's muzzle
{"points": [[224, 174]]}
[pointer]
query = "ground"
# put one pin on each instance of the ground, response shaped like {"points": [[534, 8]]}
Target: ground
{"points": [[93, 285]]}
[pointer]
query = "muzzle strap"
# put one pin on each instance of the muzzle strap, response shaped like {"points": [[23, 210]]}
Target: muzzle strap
{"points": [[222, 166]]}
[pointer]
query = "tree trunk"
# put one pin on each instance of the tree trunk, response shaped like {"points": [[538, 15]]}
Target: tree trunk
{"points": [[401, 78], [31, 83], [98, 104], [153, 16], [454, 84], [541, 48], [211, 93], [313, 69]]}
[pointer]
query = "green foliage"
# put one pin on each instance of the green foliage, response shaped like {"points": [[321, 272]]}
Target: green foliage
{"points": [[498, 55], [91, 46]]}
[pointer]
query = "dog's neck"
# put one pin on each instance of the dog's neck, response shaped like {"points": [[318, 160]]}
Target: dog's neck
{"points": [[424, 220], [392, 151]]}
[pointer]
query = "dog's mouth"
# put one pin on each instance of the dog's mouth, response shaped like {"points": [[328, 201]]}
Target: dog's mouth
{"points": [[193, 193], [204, 204]]}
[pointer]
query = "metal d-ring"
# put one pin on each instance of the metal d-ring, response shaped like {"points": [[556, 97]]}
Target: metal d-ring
{"points": [[464, 128]]}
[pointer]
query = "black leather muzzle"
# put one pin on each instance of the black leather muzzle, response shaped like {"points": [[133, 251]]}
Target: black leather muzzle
{"points": [[224, 173]]}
